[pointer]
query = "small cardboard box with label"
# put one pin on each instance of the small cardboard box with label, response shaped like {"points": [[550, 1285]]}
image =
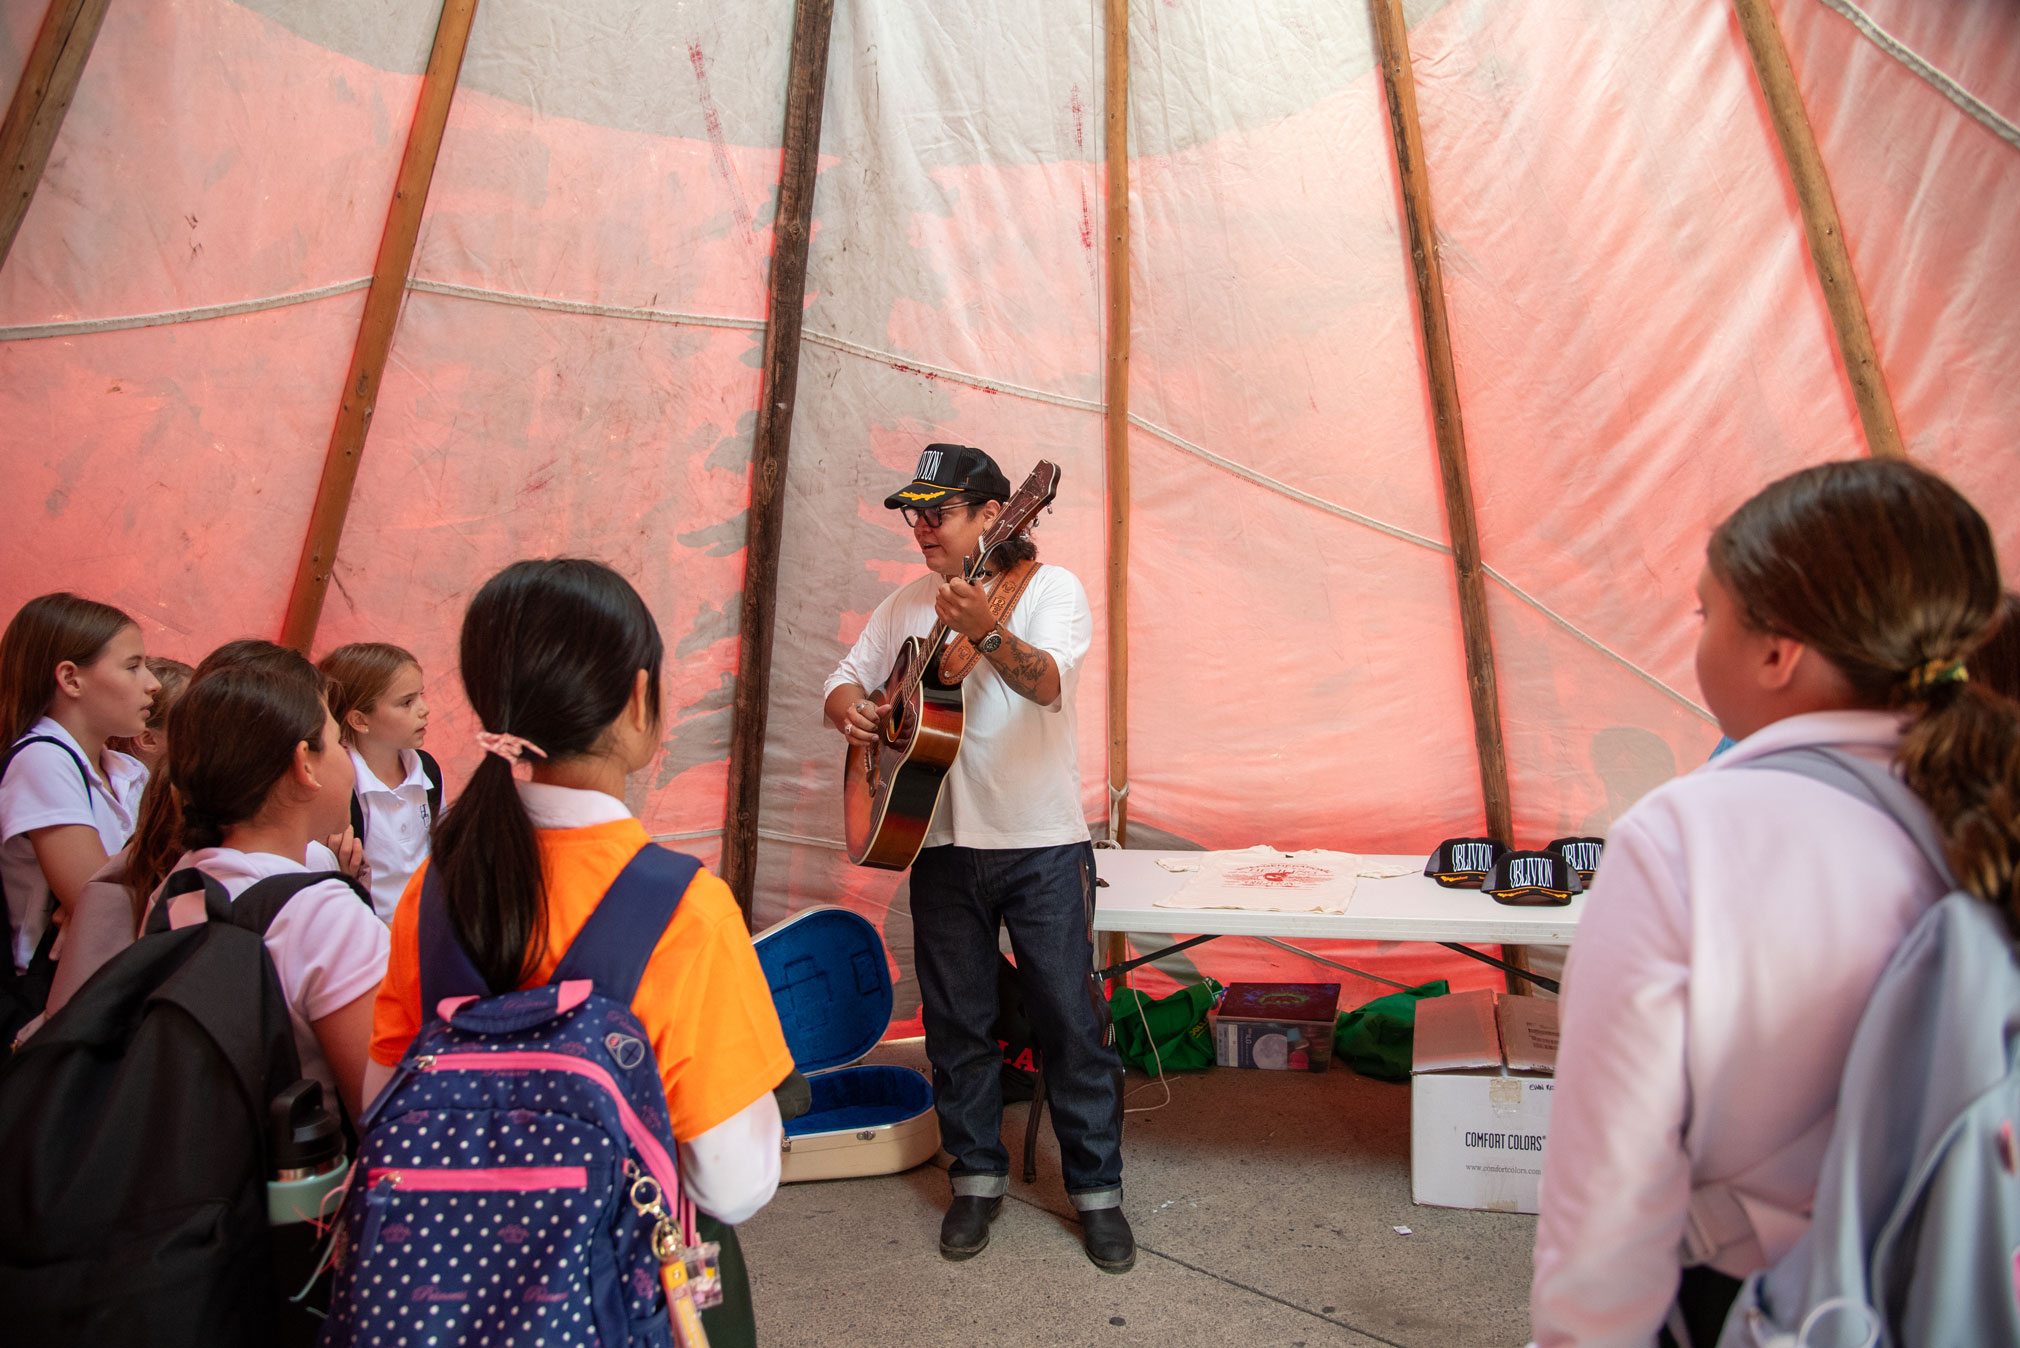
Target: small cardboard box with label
{"points": [[1480, 1094], [1280, 1026]]}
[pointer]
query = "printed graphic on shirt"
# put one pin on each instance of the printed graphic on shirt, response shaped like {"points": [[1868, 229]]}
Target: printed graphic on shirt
{"points": [[1285, 876]]}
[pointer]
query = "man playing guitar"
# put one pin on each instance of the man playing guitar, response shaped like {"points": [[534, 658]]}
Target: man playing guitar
{"points": [[1008, 847]]}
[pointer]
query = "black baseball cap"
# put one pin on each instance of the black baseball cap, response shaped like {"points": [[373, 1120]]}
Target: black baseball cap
{"points": [[1532, 879], [1462, 863], [951, 470], [1582, 853]]}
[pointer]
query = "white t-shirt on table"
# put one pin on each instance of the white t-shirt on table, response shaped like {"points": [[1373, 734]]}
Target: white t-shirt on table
{"points": [[396, 828], [43, 789], [328, 948], [1016, 782]]}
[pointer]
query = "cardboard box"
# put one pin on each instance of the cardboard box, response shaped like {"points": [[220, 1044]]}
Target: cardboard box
{"points": [[1276, 1026], [1477, 1129]]}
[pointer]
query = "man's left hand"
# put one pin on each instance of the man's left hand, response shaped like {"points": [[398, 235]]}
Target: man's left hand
{"points": [[964, 608]]}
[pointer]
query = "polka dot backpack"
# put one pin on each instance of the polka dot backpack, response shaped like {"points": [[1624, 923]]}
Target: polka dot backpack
{"points": [[515, 1184]]}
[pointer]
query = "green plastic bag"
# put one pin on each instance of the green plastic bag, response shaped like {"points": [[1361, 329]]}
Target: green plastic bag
{"points": [[1375, 1040], [1176, 1025]]}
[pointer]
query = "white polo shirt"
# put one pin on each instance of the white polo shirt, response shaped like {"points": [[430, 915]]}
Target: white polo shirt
{"points": [[1732, 937], [327, 947], [1016, 782], [396, 828], [43, 788]]}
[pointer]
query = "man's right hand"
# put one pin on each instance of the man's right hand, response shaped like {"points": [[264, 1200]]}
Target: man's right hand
{"points": [[861, 721]]}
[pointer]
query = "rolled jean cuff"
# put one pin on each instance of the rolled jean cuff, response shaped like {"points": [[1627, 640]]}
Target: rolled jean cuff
{"points": [[981, 1186], [1099, 1198]]}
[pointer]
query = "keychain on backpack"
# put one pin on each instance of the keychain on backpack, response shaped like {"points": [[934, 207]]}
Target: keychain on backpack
{"points": [[682, 1311]]}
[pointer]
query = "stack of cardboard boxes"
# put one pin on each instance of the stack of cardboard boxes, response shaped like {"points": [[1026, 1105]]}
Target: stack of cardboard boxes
{"points": [[1480, 1100]]}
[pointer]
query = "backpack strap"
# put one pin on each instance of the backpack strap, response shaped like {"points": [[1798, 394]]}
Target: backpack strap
{"points": [[445, 967], [1870, 782], [255, 909], [260, 903], [188, 880], [82, 769], [434, 771], [1717, 1223], [617, 941]]}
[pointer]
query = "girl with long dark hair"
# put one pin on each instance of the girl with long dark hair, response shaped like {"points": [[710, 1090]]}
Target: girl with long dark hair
{"points": [[561, 662]]}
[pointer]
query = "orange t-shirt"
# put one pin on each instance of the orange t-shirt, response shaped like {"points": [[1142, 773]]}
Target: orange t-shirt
{"points": [[703, 1000]]}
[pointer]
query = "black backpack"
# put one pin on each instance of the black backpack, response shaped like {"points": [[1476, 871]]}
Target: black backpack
{"points": [[434, 771], [24, 992], [134, 1141]]}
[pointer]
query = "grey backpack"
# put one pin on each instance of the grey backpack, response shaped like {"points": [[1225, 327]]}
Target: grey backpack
{"points": [[1914, 1240]]}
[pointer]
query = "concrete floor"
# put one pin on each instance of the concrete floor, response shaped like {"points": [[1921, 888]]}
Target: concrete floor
{"points": [[1264, 1206]]}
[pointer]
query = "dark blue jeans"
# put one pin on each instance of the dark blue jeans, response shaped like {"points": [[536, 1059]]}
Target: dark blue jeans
{"points": [[961, 896]]}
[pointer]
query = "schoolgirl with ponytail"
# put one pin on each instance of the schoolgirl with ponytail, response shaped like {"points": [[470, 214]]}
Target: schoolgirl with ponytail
{"points": [[258, 776], [561, 662], [1741, 917]]}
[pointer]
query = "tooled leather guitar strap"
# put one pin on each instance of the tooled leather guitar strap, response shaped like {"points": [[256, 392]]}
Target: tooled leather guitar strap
{"points": [[961, 655]]}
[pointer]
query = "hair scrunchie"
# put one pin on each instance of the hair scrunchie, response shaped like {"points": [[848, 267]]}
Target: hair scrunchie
{"points": [[1932, 674]]}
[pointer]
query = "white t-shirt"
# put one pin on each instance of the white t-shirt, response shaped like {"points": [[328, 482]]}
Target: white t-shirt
{"points": [[396, 828], [1016, 782], [328, 948], [1731, 939], [42, 789]]}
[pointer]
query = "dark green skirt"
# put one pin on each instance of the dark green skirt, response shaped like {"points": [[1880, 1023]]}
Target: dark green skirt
{"points": [[731, 1324]]}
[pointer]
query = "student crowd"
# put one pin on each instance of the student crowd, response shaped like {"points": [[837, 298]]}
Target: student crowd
{"points": [[1738, 924]]}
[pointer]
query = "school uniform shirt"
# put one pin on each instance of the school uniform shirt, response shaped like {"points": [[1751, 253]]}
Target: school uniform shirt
{"points": [[1016, 782], [1731, 939], [396, 828], [703, 1000], [42, 789], [327, 946]]}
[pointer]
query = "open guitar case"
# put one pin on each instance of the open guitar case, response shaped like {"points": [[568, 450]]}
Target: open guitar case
{"points": [[831, 982]]}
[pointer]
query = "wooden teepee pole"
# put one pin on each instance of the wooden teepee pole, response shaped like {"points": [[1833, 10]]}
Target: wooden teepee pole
{"points": [[1397, 78], [1116, 382], [360, 394], [806, 93], [35, 115], [1821, 226]]}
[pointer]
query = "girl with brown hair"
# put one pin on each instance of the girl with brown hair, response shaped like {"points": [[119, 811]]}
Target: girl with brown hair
{"points": [[376, 697], [73, 676], [259, 776], [1741, 918]]}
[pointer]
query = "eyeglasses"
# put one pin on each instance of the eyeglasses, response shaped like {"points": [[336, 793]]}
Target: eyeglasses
{"points": [[930, 514]]}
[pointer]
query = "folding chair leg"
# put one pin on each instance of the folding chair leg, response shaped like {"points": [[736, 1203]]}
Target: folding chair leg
{"points": [[1032, 1120]]}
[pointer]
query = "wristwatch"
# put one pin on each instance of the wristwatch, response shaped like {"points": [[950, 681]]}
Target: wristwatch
{"points": [[988, 644]]}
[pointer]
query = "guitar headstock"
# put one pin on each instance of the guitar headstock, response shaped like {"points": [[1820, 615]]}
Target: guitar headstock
{"points": [[1038, 492]]}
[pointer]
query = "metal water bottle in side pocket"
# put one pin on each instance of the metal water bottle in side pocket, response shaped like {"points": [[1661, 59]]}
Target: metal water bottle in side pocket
{"points": [[308, 1169]]}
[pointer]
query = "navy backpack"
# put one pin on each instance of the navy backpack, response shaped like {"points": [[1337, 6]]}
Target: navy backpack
{"points": [[516, 1183]]}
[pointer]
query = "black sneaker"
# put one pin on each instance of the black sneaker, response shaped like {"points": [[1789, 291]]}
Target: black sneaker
{"points": [[964, 1232], [1105, 1232]]}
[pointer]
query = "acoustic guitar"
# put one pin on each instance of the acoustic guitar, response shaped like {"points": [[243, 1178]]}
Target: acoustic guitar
{"points": [[891, 788]]}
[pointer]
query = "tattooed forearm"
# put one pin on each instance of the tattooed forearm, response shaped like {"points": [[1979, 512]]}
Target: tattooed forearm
{"points": [[1029, 671]]}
